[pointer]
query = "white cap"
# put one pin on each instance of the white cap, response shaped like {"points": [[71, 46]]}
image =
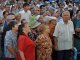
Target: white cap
{"points": [[35, 24], [49, 18]]}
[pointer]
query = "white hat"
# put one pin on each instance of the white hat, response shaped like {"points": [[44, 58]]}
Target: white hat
{"points": [[48, 18], [38, 5], [53, 18], [35, 24]]}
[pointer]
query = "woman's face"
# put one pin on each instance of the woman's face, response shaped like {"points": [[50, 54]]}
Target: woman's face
{"points": [[53, 24], [41, 19], [6, 14], [47, 29], [26, 28], [18, 17], [16, 27]]}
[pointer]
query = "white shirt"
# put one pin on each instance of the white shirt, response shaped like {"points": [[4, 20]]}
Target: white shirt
{"points": [[36, 17], [25, 15], [1, 13], [64, 33]]}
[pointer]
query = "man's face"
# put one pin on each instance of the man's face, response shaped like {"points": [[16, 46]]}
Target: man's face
{"points": [[7, 8], [26, 8], [66, 16], [2, 6], [57, 14], [37, 11], [43, 8]]}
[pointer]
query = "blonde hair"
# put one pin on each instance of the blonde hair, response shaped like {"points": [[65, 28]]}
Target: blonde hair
{"points": [[44, 28]]}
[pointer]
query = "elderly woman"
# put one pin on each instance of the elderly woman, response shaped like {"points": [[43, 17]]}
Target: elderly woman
{"points": [[52, 24], [35, 30], [10, 42], [41, 19], [44, 44], [26, 47], [18, 18]]}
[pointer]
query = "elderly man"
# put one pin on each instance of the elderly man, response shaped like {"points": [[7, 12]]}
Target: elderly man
{"points": [[63, 34]]}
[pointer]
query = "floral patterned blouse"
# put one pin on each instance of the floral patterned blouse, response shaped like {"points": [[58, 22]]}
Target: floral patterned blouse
{"points": [[43, 47]]}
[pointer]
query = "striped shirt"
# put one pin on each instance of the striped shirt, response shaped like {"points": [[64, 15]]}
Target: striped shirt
{"points": [[64, 33]]}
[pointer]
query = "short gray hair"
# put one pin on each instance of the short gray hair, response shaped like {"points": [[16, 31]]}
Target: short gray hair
{"points": [[66, 12]]}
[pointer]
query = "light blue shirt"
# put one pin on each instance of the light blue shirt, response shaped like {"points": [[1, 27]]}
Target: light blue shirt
{"points": [[51, 0], [10, 40]]}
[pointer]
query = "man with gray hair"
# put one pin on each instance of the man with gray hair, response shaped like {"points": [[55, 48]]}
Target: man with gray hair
{"points": [[64, 37]]}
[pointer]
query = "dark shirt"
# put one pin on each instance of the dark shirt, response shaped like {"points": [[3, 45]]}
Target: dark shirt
{"points": [[76, 23], [33, 35]]}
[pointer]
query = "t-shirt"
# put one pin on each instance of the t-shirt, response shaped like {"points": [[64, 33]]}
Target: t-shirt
{"points": [[25, 15]]}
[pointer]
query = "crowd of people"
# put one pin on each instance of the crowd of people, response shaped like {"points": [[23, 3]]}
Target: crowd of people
{"points": [[40, 30]]}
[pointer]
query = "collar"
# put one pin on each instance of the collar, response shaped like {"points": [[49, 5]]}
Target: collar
{"points": [[25, 11], [64, 23]]}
